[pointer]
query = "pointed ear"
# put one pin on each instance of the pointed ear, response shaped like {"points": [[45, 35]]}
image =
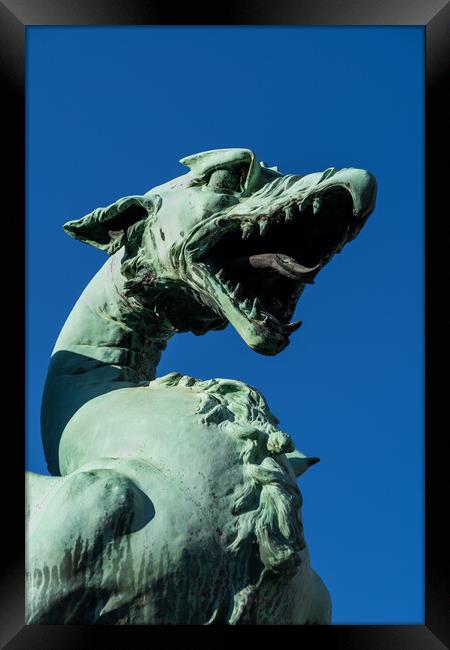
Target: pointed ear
{"points": [[300, 463], [203, 163], [105, 228]]}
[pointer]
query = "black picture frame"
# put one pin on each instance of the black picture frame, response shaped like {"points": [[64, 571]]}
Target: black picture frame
{"points": [[434, 16]]}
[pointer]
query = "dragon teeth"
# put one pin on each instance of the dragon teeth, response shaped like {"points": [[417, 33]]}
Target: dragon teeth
{"points": [[289, 213], [220, 274], [256, 309], [229, 286], [246, 304], [247, 230], [317, 204], [266, 318], [237, 292], [263, 226]]}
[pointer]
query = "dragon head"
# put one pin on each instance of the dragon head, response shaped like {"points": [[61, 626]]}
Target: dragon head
{"points": [[232, 241]]}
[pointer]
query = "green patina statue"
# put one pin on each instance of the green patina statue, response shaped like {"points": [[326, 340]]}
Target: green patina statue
{"points": [[174, 500]]}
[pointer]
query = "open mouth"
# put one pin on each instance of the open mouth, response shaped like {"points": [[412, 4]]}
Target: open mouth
{"points": [[257, 266]]}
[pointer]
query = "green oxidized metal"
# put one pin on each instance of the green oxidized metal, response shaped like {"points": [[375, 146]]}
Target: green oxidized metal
{"points": [[174, 500]]}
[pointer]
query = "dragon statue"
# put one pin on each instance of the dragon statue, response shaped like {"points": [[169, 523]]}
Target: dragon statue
{"points": [[174, 500]]}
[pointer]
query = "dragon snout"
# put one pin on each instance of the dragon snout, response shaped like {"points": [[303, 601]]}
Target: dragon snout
{"points": [[362, 186]]}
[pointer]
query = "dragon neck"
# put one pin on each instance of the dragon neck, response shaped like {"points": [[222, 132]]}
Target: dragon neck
{"points": [[104, 329], [106, 344]]}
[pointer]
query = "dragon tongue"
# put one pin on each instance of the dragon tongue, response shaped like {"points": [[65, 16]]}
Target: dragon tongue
{"points": [[282, 264], [278, 263]]}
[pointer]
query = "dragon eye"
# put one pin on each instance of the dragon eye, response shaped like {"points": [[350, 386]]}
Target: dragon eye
{"points": [[228, 179]]}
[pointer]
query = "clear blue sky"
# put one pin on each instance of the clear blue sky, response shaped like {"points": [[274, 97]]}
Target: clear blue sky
{"points": [[110, 111]]}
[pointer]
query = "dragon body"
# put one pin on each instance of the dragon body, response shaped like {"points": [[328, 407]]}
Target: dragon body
{"points": [[173, 500]]}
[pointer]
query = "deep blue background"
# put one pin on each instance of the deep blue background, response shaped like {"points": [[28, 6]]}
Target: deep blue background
{"points": [[110, 111]]}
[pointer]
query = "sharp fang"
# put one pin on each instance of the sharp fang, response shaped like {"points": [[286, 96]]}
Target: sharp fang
{"points": [[237, 290], [317, 204], [263, 226], [246, 304], [220, 274], [289, 213], [229, 286], [256, 309], [246, 230]]}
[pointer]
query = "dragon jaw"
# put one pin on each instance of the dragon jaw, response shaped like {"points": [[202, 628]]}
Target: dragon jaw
{"points": [[250, 263]]}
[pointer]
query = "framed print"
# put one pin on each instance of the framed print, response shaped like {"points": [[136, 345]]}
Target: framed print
{"points": [[317, 130]]}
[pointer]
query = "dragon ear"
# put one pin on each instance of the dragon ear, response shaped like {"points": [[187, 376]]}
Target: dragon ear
{"points": [[205, 162], [300, 463], [104, 228]]}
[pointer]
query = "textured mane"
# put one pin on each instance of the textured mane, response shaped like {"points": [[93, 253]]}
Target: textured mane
{"points": [[267, 504]]}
